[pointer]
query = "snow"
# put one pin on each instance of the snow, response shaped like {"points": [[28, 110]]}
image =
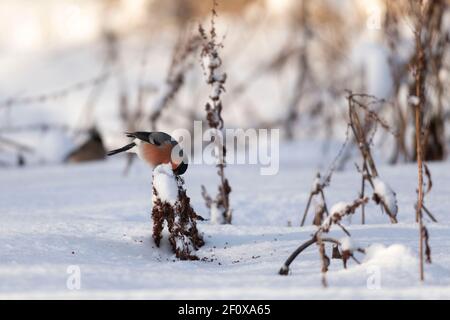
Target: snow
{"points": [[55, 217], [339, 207], [413, 100], [165, 184], [386, 194], [316, 184], [372, 57], [347, 244], [216, 214], [393, 256]]}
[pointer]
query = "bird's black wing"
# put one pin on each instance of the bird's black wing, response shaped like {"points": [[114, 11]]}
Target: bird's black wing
{"points": [[141, 135]]}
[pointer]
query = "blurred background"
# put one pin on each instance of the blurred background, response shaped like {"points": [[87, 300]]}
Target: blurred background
{"points": [[76, 74]]}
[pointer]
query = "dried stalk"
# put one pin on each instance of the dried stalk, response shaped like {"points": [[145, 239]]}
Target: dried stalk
{"points": [[318, 189], [369, 170], [215, 78], [419, 76], [16, 145], [333, 219], [182, 62], [429, 187], [58, 94], [181, 220], [320, 185]]}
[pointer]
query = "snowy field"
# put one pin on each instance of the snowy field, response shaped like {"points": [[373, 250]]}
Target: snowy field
{"points": [[93, 217]]}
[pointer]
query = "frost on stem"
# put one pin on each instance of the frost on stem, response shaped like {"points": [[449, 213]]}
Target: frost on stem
{"points": [[215, 78], [171, 204]]}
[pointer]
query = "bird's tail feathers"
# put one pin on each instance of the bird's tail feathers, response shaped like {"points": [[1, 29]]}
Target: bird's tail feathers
{"points": [[123, 149]]}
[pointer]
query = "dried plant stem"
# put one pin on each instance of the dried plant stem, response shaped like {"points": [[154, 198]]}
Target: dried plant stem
{"points": [[321, 183], [285, 269], [419, 78], [362, 194], [420, 194], [16, 145], [182, 62], [181, 218], [311, 196], [333, 219], [369, 170], [57, 94], [306, 209], [216, 78], [324, 260], [430, 215]]}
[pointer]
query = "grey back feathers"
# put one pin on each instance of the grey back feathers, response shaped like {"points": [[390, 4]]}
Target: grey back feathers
{"points": [[160, 138]]}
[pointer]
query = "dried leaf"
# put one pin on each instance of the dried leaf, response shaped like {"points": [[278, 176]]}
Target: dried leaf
{"points": [[428, 176], [336, 253], [426, 239]]}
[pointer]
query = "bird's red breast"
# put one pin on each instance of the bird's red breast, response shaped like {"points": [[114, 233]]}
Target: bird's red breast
{"points": [[156, 155]]}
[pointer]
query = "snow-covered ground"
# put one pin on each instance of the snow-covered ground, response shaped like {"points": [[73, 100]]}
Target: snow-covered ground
{"points": [[92, 217]]}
